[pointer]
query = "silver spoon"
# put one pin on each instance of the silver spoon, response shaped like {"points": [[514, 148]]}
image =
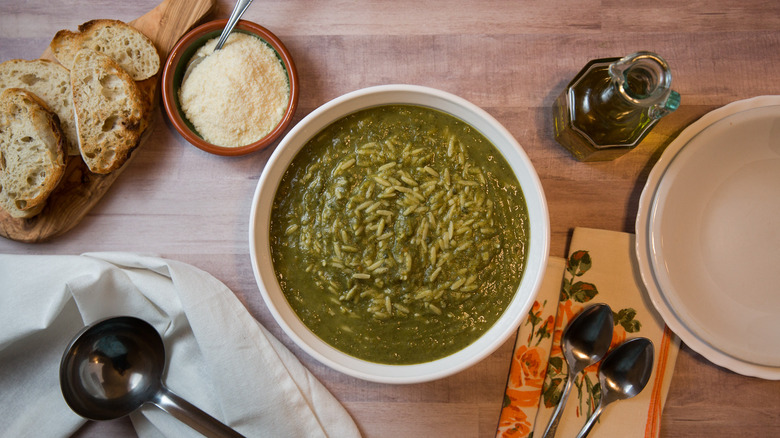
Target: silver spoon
{"points": [[238, 10], [115, 366], [584, 342], [623, 374]]}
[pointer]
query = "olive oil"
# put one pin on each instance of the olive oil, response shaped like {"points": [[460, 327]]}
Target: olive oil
{"points": [[612, 104]]}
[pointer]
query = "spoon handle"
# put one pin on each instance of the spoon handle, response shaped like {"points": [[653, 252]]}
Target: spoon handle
{"points": [[192, 416], [591, 421], [552, 426], [238, 11]]}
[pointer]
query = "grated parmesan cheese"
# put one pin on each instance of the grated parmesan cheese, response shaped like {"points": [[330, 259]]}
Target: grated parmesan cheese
{"points": [[238, 94]]}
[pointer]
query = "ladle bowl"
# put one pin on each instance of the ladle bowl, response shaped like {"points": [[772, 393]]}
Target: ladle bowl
{"points": [[115, 366]]}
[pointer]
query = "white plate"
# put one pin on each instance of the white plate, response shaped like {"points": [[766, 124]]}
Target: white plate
{"points": [[708, 236]]}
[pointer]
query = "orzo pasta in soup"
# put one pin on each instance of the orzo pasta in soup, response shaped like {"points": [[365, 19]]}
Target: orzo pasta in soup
{"points": [[399, 234]]}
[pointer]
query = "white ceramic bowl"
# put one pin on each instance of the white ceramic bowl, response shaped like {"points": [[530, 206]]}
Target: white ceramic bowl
{"points": [[260, 251]]}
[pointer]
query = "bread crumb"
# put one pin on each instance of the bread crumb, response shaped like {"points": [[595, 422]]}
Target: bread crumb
{"points": [[236, 95]]}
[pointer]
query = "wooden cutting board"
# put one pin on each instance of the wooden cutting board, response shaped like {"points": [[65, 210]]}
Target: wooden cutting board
{"points": [[80, 189]]}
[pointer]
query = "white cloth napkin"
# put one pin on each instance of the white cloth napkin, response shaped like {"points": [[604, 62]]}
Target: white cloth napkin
{"points": [[219, 358]]}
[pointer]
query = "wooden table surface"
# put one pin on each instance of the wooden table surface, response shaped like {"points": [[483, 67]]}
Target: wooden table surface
{"points": [[510, 57]]}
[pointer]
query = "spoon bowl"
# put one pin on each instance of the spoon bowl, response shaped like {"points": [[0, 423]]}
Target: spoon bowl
{"points": [[623, 374], [585, 341], [115, 366]]}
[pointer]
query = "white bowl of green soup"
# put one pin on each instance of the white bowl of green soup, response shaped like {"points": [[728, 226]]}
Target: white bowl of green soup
{"points": [[399, 234]]}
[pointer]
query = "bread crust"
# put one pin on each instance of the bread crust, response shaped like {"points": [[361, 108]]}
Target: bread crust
{"points": [[49, 81], [110, 111], [32, 152], [129, 47]]}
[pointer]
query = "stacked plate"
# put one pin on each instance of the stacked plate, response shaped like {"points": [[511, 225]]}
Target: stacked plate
{"points": [[708, 236]]}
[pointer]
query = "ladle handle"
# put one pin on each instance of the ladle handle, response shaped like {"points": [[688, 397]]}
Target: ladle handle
{"points": [[552, 426], [192, 416], [591, 421]]}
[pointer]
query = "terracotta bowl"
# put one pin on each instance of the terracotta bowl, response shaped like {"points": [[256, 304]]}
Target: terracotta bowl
{"points": [[176, 65]]}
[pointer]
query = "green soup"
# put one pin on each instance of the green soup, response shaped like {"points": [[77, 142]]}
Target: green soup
{"points": [[399, 234]]}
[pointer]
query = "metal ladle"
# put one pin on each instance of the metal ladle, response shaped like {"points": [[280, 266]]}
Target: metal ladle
{"points": [[115, 366], [584, 342], [623, 374], [238, 10]]}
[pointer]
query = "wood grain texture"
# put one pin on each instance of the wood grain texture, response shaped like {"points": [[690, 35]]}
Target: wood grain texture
{"points": [[512, 58], [81, 189]]}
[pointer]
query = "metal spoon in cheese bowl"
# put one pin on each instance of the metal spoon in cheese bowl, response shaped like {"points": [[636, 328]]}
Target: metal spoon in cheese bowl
{"points": [[238, 10], [115, 366], [584, 342], [623, 374]]}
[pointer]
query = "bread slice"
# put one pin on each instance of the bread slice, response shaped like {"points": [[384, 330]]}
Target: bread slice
{"points": [[32, 153], [109, 110], [49, 81], [130, 48]]}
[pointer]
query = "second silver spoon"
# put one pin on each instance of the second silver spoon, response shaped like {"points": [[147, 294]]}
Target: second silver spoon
{"points": [[623, 374]]}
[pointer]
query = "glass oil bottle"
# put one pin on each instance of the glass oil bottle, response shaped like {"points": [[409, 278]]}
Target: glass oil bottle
{"points": [[612, 104]]}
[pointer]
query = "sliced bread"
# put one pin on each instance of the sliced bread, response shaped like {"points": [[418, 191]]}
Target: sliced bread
{"points": [[109, 109], [49, 81], [130, 48], [32, 152]]}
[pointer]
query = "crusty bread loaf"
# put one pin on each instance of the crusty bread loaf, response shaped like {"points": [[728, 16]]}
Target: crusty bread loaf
{"points": [[130, 48], [49, 81], [109, 110], [32, 152]]}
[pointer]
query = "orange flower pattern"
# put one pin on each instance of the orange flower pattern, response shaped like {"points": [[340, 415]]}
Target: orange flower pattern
{"points": [[575, 294], [538, 371], [526, 374]]}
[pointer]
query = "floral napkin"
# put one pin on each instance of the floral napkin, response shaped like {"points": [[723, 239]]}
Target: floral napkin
{"points": [[601, 268]]}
